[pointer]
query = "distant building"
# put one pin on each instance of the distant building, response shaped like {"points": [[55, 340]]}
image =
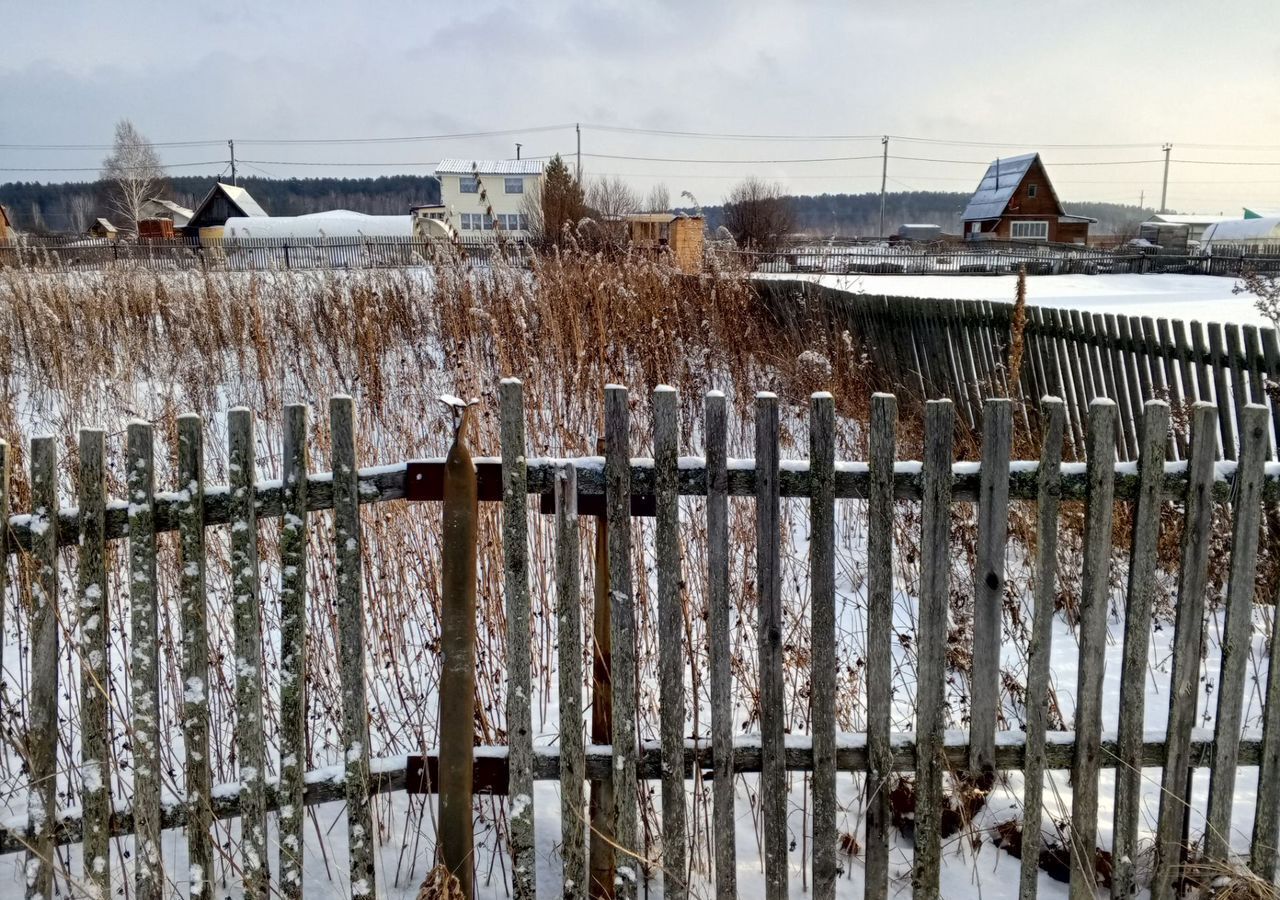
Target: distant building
{"points": [[1016, 201], [224, 201], [1196, 224], [101, 228], [481, 196], [1260, 213], [155, 208], [919, 232], [1258, 233], [677, 234]]}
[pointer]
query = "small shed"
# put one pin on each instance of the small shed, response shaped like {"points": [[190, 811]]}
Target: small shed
{"points": [[1170, 237], [919, 232], [101, 228], [1262, 232], [224, 201], [678, 234], [156, 208], [6, 224]]}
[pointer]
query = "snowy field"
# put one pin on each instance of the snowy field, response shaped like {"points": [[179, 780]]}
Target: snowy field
{"points": [[1206, 298]]}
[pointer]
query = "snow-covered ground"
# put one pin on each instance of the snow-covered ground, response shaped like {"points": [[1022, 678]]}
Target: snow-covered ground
{"points": [[1206, 298]]}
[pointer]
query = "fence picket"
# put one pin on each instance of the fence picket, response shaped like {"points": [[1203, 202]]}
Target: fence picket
{"points": [[988, 587], [1053, 415], [666, 450], [1221, 396], [250, 735], [617, 424], [1188, 628], [1237, 629], [1271, 356], [355, 728], [1137, 629], [42, 734], [1239, 388], [293, 650], [95, 668], [773, 778], [515, 555], [884, 415], [823, 662], [569, 639], [1127, 365], [720, 650], [935, 550], [195, 656], [1266, 822], [1177, 442], [1094, 589]]}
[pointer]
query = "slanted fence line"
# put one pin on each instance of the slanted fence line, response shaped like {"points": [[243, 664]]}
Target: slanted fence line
{"points": [[960, 349], [618, 487]]}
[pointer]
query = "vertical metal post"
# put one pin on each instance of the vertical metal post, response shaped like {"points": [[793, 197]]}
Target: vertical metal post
{"points": [[1164, 187], [884, 177], [577, 129]]}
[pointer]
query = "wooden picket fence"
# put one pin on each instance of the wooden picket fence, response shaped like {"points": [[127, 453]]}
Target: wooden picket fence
{"points": [[960, 349], [611, 485]]}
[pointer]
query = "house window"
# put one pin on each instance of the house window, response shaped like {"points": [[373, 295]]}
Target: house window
{"points": [[488, 222], [1030, 231], [514, 185], [468, 184], [975, 227], [1031, 191]]}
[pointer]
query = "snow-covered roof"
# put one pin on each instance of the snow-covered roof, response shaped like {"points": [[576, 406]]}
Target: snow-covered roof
{"points": [[1243, 230], [997, 187], [171, 206], [240, 197], [1171, 219], [490, 167]]}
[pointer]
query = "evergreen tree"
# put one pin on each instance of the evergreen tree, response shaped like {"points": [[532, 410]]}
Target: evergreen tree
{"points": [[562, 200]]}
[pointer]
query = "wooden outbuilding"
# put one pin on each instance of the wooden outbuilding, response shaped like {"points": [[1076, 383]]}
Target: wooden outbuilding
{"points": [[1015, 201], [6, 225], [101, 228], [679, 235], [224, 201]]}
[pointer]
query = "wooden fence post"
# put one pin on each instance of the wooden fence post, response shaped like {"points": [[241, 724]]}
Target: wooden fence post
{"points": [[1053, 415], [569, 639], [935, 564], [1100, 458], [457, 658], [355, 722], [773, 773], [515, 564], [250, 735], [666, 448], [1237, 631], [95, 665], [195, 656], [1221, 396], [988, 588], [617, 423], [1137, 629], [42, 733], [822, 659], [293, 650], [719, 647], [879, 649], [1188, 629]]}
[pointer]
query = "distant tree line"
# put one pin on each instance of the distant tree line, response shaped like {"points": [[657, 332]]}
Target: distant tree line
{"points": [[72, 206]]}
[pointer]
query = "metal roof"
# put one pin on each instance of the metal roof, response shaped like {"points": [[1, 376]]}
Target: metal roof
{"points": [[1172, 219], [997, 187], [490, 166], [240, 197]]}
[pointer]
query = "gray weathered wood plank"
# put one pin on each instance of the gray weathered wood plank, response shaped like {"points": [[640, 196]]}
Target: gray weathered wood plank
{"points": [[1188, 632], [720, 648], [1137, 629], [515, 556], [1221, 394], [666, 451], [822, 658], [195, 657], [879, 649], [988, 586], [42, 728], [935, 565], [95, 668], [294, 532], [1237, 630], [573, 832], [355, 726], [250, 728], [773, 780], [1094, 600]]}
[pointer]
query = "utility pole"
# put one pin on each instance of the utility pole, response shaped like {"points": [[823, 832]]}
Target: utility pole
{"points": [[578, 130], [1164, 189], [518, 146], [1142, 198], [884, 177], [232, 145]]}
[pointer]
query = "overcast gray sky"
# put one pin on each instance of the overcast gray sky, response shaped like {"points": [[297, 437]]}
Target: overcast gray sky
{"points": [[1012, 76]]}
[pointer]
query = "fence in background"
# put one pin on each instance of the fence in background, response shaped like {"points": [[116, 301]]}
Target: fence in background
{"points": [[961, 349], [608, 487]]}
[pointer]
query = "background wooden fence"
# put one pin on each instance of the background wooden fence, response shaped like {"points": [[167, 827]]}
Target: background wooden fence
{"points": [[936, 484], [960, 349]]}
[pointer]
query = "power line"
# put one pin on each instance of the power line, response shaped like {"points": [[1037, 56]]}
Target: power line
{"points": [[212, 162]]}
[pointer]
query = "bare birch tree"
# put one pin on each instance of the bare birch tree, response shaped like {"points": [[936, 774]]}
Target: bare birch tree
{"points": [[133, 175]]}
